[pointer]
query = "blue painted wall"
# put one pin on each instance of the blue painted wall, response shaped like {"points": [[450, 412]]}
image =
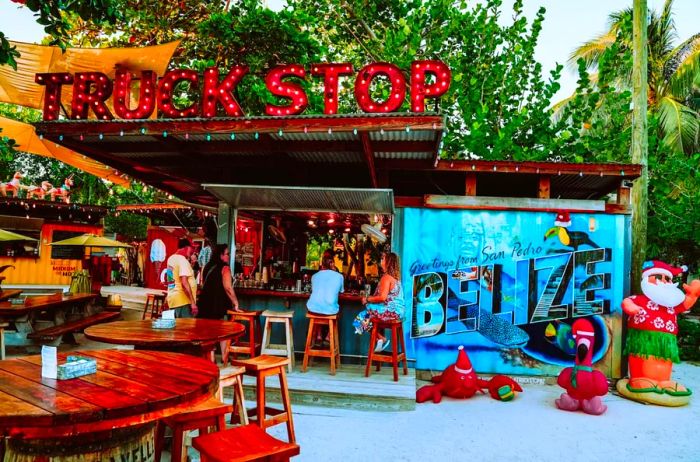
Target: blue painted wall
{"points": [[508, 284]]}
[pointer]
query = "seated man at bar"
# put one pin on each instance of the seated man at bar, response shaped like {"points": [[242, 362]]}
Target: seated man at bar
{"points": [[182, 287], [326, 285]]}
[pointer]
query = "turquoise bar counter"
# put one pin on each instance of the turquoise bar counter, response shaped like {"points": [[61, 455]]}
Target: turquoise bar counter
{"points": [[352, 346]]}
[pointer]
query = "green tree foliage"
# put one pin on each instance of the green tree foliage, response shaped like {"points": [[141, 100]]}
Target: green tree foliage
{"points": [[53, 14]]}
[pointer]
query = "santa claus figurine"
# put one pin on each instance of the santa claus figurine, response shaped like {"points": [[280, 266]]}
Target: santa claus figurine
{"points": [[651, 335]]}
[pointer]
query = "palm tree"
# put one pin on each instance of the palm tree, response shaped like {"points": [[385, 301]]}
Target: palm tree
{"points": [[673, 73]]}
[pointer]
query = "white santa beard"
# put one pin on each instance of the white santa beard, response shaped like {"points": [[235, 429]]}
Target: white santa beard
{"points": [[664, 294]]}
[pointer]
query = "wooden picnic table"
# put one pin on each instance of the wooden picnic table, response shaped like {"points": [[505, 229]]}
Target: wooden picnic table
{"points": [[194, 336], [117, 405], [43, 302], [9, 293]]}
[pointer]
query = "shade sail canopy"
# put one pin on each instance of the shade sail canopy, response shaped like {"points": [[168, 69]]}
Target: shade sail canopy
{"points": [[6, 236], [304, 199], [91, 240], [28, 141], [18, 87]]}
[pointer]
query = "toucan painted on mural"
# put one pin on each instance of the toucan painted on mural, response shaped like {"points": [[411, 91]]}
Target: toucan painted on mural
{"points": [[568, 238]]}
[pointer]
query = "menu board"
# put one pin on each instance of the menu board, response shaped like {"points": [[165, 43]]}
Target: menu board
{"points": [[67, 252], [247, 254]]}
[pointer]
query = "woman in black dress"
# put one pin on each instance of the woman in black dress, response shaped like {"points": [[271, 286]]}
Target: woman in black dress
{"points": [[217, 296]]}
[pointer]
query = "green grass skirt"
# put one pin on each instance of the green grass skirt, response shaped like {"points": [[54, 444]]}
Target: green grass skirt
{"points": [[645, 343]]}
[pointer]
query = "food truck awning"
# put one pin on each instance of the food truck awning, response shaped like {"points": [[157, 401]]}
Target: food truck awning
{"points": [[304, 199]]}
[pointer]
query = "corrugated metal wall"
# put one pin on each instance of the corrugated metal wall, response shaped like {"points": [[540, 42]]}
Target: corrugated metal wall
{"points": [[44, 270]]}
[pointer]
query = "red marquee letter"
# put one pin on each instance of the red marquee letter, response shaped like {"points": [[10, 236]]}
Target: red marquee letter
{"points": [[83, 98], [122, 95], [419, 91], [222, 92], [331, 73], [364, 79], [293, 91], [167, 84], [52, 95]]}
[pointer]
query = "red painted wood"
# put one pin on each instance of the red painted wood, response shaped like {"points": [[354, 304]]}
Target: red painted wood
{"points": [[34, 406], [8, 293], [245, 443], [187, 333], [74, 326]]}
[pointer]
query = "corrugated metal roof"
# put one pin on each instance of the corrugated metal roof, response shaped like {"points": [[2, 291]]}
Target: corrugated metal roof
{"points": [[303, 199], [330, 157], [403, 135], [404, 155]]}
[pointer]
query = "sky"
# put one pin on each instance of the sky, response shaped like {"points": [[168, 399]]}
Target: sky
{"points": [[568, 23]]}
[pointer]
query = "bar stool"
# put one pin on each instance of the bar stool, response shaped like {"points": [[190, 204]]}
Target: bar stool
{"points": [[156, 303], [261, 367], [208, 414], [286, 349], [246, 443], [249, 345], [395, 357], [316, 322], [231, 376]]}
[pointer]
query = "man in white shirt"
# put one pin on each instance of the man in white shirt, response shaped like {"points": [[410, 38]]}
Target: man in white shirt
{"points": [[182, 288], [326, 285]]}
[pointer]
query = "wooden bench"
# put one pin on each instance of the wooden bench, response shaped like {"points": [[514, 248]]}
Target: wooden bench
{"points": [[52, 333]]}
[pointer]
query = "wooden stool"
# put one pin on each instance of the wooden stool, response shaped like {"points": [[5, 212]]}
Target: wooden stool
{"points": [[287, 349], [316, 322], [246, 443], [249, 346], [209, 413], [395, 357], [261, 367], [232, 376], [156, 302], [3, 325]]}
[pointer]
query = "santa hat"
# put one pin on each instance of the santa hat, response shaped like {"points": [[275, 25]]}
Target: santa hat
{"points": [[563, 219], [463, 364], [658, 267]]}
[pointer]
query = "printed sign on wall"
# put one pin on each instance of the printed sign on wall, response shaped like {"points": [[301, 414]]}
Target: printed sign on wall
{"points": [[508, 285]]}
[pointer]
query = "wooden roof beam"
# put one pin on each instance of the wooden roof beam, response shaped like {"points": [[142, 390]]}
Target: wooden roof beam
{"points": [[369, 158]]}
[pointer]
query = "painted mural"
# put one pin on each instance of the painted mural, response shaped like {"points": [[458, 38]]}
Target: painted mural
{"points": [[508, 285]]}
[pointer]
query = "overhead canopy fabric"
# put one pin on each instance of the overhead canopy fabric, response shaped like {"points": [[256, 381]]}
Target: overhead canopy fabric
{"points": [[18, 87], [27, 140], [302, 199]]}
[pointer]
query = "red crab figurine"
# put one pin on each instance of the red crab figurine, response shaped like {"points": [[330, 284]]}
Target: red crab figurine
{"points": [[460, 381]]}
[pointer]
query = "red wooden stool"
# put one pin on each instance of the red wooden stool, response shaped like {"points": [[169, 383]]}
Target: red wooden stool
{"points": [[242, 444], [250, 345], [261, 367], [316, 321], [395, 357], [208, 414], [155, 302]]}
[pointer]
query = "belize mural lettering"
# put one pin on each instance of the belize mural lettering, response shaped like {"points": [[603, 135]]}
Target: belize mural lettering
{"points": [[508, 286], [540, 304]]}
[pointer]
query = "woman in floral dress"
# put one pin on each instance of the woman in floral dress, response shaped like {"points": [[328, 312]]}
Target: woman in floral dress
{"points": [[387, 302]]}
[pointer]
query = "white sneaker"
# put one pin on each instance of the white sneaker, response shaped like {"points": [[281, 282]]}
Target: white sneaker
{"points": [[386, 345], [380, 346]]}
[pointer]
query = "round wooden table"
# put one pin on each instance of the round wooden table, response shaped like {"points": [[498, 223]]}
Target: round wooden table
{"points": [[106, 415], [194, 336]]}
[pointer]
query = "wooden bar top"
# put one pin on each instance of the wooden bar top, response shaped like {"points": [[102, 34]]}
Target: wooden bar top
{"points": [[129, 387], [43, 302], [343, 297], [9, 293]]}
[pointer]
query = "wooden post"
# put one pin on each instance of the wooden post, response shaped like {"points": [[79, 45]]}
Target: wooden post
{"points": [[623, 195], [639, 140], [470, 184], [544, 186]]}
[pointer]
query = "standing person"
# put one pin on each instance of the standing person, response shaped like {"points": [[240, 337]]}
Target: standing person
{"points": [[205, 253], [182, 288], [217, 295], [326, 285], [195, 268], [387, 302]]}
